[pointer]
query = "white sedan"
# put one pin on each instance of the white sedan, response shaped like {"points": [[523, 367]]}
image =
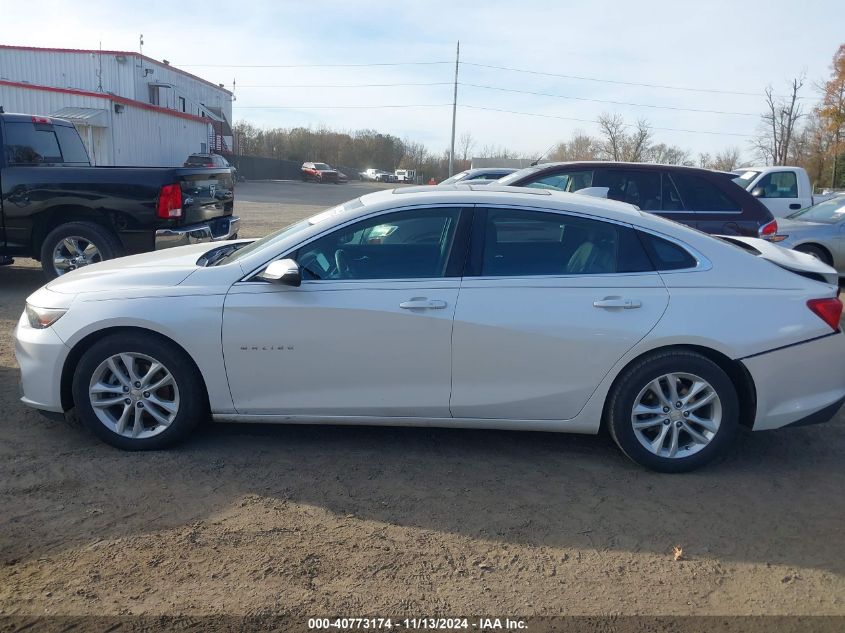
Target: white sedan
{"points": [[481, 307]]}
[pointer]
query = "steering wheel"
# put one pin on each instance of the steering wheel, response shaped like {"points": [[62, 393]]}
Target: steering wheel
{"points": [[341, 262]]}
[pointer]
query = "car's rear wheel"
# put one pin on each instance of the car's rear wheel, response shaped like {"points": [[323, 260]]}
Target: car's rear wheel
{"points": [[816, 251], [137, 392], [673, 411]]}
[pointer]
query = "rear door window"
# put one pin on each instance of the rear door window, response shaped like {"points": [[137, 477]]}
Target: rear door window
{"points": [[31, 143], [519, 243], [700, 195], [638, 187]]}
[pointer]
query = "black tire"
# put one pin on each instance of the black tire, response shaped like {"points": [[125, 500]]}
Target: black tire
{"points": [[193, 401], [102, 238], [621, 399], [816, 251]]}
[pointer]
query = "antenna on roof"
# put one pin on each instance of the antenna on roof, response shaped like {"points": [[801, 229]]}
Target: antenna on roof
{"points": [[534, 164], [141, 44]]}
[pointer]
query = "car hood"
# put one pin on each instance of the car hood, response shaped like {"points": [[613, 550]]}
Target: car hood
{"points": [[165, 268], [797, 262]]}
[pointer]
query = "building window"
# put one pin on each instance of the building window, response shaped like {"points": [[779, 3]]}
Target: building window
{"points": [[154, 98], [182, 104]]}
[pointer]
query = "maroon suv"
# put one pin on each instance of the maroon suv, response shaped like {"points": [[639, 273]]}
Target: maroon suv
{"points": [[318, 172], [707, 200]]}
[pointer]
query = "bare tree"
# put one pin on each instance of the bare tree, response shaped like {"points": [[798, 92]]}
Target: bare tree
{"points": [[466, 143], [580, 147], [618, 145], [612, 142], [726, 160], [497, 151], [638, 143], [668, 155], [778, 124]]}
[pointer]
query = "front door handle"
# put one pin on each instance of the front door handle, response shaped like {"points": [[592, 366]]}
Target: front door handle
{"points": [[617, 302], [417, 303]]}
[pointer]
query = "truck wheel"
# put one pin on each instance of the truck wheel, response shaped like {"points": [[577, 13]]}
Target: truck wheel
{"points": [[76, 244]]}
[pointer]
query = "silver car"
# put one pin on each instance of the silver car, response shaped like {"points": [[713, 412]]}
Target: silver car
{"points": [[818, 230]]}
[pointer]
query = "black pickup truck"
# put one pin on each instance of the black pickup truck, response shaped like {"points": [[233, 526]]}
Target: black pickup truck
{"points": [[58, 209]]}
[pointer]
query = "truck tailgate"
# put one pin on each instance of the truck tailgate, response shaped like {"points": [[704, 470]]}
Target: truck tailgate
{"points": [[208, 193]]}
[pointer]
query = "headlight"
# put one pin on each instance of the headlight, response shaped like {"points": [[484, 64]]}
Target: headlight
{"points": [[41, 318]]}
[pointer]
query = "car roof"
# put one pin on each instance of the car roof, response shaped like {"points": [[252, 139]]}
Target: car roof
{"points": [[488, 170], [494, 194], [619, 165]]}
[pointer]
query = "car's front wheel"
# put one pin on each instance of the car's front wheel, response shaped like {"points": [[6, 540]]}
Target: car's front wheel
{"points": [[137, 392], [673, 411]]}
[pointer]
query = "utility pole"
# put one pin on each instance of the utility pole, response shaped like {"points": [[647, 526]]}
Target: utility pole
{"points": [[454, 111]]}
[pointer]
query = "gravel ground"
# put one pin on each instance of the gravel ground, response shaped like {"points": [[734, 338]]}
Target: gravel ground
{"points": [[353, 521]]}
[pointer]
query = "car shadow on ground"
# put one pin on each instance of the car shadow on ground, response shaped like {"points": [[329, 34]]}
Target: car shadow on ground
{"points": [[540, 489]]}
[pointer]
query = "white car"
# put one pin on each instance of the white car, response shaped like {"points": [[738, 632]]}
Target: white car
{"points": [[481, 307]]}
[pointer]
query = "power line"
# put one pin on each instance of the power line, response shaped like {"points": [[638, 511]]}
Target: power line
{"points": [[625, 103], [564, 118], [614, 81]]}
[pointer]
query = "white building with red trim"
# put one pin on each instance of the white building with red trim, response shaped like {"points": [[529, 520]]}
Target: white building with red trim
{"points": [[129, 108]]}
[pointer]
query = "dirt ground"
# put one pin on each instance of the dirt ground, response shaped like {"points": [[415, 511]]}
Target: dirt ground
{"points": [[356, 521]]}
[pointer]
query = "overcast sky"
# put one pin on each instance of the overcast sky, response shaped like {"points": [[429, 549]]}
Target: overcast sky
{"points": [[726, 46]]}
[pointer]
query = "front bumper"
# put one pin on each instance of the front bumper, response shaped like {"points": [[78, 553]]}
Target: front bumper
{"points": [[216, 230], [788, 392], [41, 355]]}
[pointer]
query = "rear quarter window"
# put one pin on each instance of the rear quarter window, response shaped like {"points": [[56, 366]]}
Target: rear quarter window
{"points": [[666, 255], [73, 151]]}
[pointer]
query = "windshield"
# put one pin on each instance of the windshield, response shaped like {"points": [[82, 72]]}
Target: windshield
{"points": [[827, 212], [518, 175], [289, 230], [746, 178], [455, 178], [321, 166]]}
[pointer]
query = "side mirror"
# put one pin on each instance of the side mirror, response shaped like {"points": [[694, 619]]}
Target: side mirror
{"points": [[282, 271], [758, 192]]}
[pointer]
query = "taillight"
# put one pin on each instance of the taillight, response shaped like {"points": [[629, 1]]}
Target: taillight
{"points": [[828, 310], [169, 202], [42, 120], [768, 230]]}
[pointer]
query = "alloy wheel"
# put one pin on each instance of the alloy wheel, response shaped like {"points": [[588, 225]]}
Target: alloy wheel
{"points": [[74, 252], [134, 395], [676, 415]]}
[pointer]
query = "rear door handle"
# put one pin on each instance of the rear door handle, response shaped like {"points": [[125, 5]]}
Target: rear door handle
{"points": [[795, 205], [617, 302], [423, 303]]}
